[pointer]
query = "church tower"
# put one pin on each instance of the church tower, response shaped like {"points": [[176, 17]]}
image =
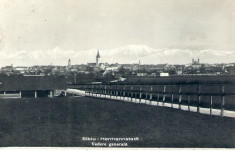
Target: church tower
{"points": [[69, 63], [97, 58]]}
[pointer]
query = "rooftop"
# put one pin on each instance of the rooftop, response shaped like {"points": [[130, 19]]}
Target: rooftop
{"points": [[20, 83]]}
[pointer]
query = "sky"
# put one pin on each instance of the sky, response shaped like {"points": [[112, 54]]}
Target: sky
{"points": [[82, 25]]}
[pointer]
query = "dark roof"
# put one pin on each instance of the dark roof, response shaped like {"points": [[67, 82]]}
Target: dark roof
{"points": [[16, 83]]}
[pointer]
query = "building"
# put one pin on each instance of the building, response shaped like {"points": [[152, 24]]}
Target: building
{"points": [[91, 64], [69, 64], [7, 68], [21, 70], [82, 67], [164, 74], [232, 70], [96, 64], [153, 74], [196, 63], [31, 86], [142, 74]]}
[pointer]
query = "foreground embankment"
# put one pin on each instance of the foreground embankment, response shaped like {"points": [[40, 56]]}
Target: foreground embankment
{"points": [[71, 121]]}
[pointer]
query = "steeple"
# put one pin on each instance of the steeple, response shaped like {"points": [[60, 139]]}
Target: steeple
{"points": [[98, 54], [97, 58], [69, 63]]}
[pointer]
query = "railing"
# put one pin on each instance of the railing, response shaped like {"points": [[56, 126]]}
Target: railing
{"points": [[212, 96]]}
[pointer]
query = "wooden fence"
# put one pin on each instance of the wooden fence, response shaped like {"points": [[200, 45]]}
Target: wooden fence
{"points": [[212, 96]]}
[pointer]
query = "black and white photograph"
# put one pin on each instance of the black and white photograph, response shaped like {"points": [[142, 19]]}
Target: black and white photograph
{"points": [[117, 74]]}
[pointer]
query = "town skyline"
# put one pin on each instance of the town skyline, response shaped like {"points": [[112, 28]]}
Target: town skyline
{"points": [[100, 69], [123, 55]]}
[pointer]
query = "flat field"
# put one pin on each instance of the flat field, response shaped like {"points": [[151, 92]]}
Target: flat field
{"points": [[64, 121]]}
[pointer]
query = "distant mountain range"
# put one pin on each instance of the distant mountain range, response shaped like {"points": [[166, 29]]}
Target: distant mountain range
{"points": [[127, 54]]}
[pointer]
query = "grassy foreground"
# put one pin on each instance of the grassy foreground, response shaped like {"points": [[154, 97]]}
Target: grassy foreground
{"points": [[64, 121]]}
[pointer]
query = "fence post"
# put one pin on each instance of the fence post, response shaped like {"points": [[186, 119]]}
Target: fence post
{"points": [[151, 95], [180, 97], [135, 97], [131, 92], [116, 92], [222, 102], [90, 90], [211, 101], [120, 93], [105, 91], [101, 90], [93, 91], [35, 94], [140, 94], [164, 95], [85, 90], [172, 99], [124, 93], [199, 98], [96, 90], [128, 94], [158, 97], [110, 92], [189, 102], [146, 97]]}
